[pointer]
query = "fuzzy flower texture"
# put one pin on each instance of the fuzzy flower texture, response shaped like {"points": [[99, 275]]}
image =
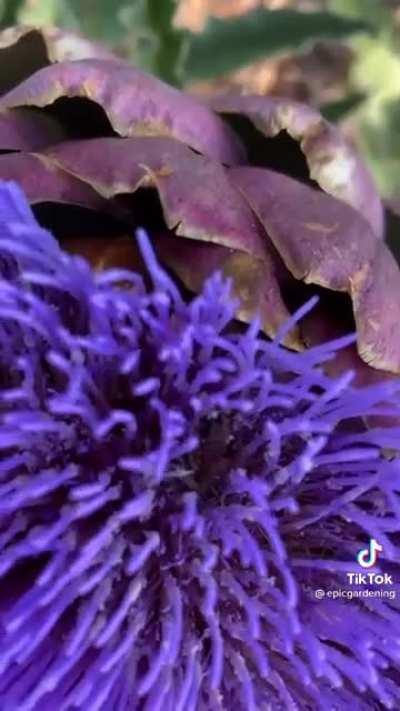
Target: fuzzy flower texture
{"points": [[173, 491]]}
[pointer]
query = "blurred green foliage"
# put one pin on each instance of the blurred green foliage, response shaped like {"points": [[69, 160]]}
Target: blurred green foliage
{"points": [[375, 123], [9, 11], [143, 31], [139, 30], [259, 34]]}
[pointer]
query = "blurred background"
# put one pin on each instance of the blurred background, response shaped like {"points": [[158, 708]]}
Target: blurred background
{"points": [[342, 56]]}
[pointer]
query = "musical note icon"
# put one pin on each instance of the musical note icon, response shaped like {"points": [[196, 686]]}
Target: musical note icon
{"points": [[367, 557]]}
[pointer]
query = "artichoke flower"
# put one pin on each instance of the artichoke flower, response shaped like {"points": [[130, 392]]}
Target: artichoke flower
{"points": [[263, 189], [182, 502]]}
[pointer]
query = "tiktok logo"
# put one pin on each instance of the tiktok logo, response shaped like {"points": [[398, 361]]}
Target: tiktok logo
{"points": [[367, 557]]}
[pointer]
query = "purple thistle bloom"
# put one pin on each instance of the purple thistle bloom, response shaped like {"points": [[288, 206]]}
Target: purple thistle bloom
{"points": [[172, 494]]}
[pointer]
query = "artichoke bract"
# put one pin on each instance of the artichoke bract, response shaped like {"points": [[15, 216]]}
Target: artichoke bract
{"points": [[263, 189]]}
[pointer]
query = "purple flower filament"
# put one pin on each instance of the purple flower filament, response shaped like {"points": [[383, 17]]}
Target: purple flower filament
{"points": [[172, 491]]}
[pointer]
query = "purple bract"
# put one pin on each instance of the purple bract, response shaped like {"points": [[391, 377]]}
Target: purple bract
{"points": [[173, 491]]}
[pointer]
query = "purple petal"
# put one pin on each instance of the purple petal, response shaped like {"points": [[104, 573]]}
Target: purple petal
{"points": [[43, 181], [332, 162], [23, 130], [324, 242], [135, 103], [199, 202], [24, 49]]}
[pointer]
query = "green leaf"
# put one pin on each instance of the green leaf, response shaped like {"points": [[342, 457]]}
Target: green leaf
{"points": [[141, 31], [379, 14], [338, 110], [226, 45], [379, 140], [99, 19], [156, 44], [45, 12], [171, 41], [9, 10], [376, 73]]}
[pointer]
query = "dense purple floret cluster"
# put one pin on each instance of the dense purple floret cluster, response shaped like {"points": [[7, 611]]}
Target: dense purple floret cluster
{"points": [[173, 490]]}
